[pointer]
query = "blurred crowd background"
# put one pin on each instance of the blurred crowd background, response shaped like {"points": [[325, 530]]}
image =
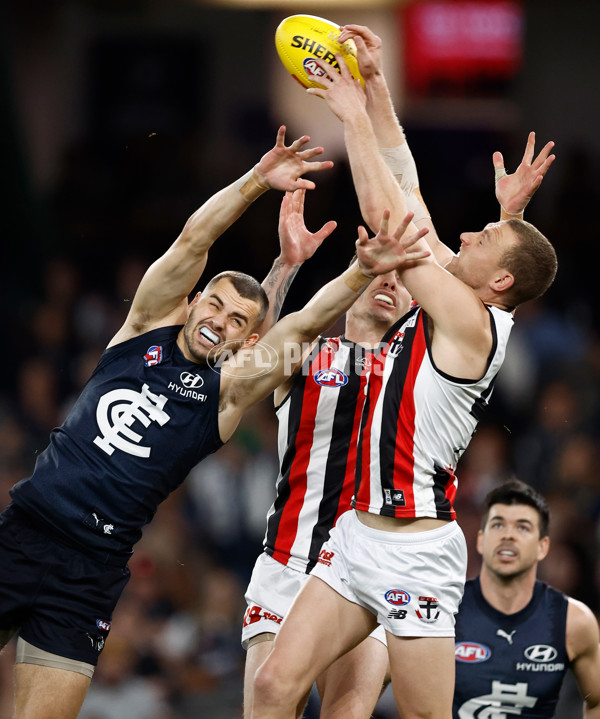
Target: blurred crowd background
{"points": [[118, 119]]}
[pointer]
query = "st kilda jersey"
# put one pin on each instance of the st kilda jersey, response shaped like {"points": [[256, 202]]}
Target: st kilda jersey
{"points": [[510, 664], [144, 419], [418, 421], [318, 430]]}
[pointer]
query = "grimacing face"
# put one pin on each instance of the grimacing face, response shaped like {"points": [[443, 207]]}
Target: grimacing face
{"points": [[218, 318], [510, 543], [384, 301]]}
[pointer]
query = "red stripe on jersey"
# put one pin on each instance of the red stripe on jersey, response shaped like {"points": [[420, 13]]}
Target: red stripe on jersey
{"points": [[288, 524], [404, 457]]}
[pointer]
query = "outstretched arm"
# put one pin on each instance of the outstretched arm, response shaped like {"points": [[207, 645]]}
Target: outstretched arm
{"points": [[162, 296], [389, 133], [514, 191], [297, 245], [253, 373]]}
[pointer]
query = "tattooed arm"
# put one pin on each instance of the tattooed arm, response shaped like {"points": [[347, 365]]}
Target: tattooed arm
{"points": [[297, 245]]}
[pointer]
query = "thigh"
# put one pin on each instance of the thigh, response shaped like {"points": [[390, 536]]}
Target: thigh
{"points": [[320, 626], [422, 670], [48, 693], [351, 686]]}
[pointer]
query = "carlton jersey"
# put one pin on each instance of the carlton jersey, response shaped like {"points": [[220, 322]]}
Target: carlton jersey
{"points": [[510, 664], [418, 421], [318, 430], [144, 419]]}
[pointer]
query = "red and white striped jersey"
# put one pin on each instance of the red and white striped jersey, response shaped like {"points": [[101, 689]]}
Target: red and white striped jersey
{"points": [[417, 422], [319, 423]]}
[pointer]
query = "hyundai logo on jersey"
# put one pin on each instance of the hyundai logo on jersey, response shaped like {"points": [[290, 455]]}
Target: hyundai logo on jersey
{"points": [[398, 597], [540, 653], [331, 378], [471, 652], [153, 356]]}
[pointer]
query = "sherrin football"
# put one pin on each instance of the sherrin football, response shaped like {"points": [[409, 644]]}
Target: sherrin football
{"points": [[299, 39]]}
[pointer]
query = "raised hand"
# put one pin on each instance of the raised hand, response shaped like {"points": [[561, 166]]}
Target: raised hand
{"points": [[368, 46], [340, 90], [386, 252], [514, 191], [282, 167], [297, 242]]}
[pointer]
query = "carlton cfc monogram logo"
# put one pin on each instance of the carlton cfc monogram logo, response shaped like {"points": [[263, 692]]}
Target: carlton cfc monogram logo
{"points": [[118, 410]]}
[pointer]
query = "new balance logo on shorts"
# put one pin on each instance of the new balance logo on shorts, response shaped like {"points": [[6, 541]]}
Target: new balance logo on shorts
{"points": [[325, 557], [256, 614], [397, 614]]}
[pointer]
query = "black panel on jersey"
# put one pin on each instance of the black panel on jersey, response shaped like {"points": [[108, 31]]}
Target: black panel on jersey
{"points": [[337, 459]]}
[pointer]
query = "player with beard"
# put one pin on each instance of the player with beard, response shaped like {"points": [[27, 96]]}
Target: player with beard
{"points": [[169, 389]]}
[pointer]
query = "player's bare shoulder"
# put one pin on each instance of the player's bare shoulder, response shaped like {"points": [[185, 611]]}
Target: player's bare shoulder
{"points": [[583, 633]]}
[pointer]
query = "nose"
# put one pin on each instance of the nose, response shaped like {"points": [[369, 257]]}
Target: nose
{"points": [[389, 280], [218, 320]]}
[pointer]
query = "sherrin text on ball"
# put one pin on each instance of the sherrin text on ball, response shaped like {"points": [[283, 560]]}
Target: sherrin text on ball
{"points": [[300, 39]]}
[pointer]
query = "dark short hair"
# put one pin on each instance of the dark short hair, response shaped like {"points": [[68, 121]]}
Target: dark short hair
{"points": [[249, 288], [531, 261], [516, 492]]}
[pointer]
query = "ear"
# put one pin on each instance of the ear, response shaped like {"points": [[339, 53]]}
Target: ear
{"points": [[193, 302], [503, 281], [251, 340], [480, 542], [543, 548]]}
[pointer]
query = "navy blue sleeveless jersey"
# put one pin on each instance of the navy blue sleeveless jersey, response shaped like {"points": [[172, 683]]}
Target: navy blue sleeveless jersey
{"points": [[510, 665], [144, 419]]}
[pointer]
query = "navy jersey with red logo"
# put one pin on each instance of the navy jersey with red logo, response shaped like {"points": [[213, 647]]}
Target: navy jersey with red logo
{"points": [[144, 419], [318, 429], [510, 664], [418, 421]]}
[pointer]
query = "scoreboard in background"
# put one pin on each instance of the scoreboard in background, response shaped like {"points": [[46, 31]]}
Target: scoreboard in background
{"points": [[461, 46]]}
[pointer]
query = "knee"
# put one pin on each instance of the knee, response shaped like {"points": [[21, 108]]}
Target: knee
{"points": [[274, 687]]}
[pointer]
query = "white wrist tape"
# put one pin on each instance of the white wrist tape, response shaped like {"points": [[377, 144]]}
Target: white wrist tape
{"points": [[402, 164]]}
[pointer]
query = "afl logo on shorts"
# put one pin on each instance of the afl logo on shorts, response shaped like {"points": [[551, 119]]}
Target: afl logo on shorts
{"points": [[331, 378], [397, 597], [471, 652]]}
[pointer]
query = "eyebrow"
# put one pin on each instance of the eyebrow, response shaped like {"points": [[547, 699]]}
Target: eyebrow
{"points": [[238, 315], [518, 521]]}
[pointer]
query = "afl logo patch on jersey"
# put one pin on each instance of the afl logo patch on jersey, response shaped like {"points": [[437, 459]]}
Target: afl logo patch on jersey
{"points": [[153, 356], [471, 652], [331, 378], [397, 597]]}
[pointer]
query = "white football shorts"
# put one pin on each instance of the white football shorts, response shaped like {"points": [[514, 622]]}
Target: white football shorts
{"points": [[272, 589], [412, 581]]}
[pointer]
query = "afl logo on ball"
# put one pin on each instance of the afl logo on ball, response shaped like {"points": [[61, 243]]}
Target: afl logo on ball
{"points": [[331, 378]]}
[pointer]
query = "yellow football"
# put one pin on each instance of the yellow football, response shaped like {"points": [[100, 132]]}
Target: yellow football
{"points": [[300, 39]]}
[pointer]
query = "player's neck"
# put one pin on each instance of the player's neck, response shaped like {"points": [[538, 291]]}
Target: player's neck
{"points": [[364, 332], [507, 594]]}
